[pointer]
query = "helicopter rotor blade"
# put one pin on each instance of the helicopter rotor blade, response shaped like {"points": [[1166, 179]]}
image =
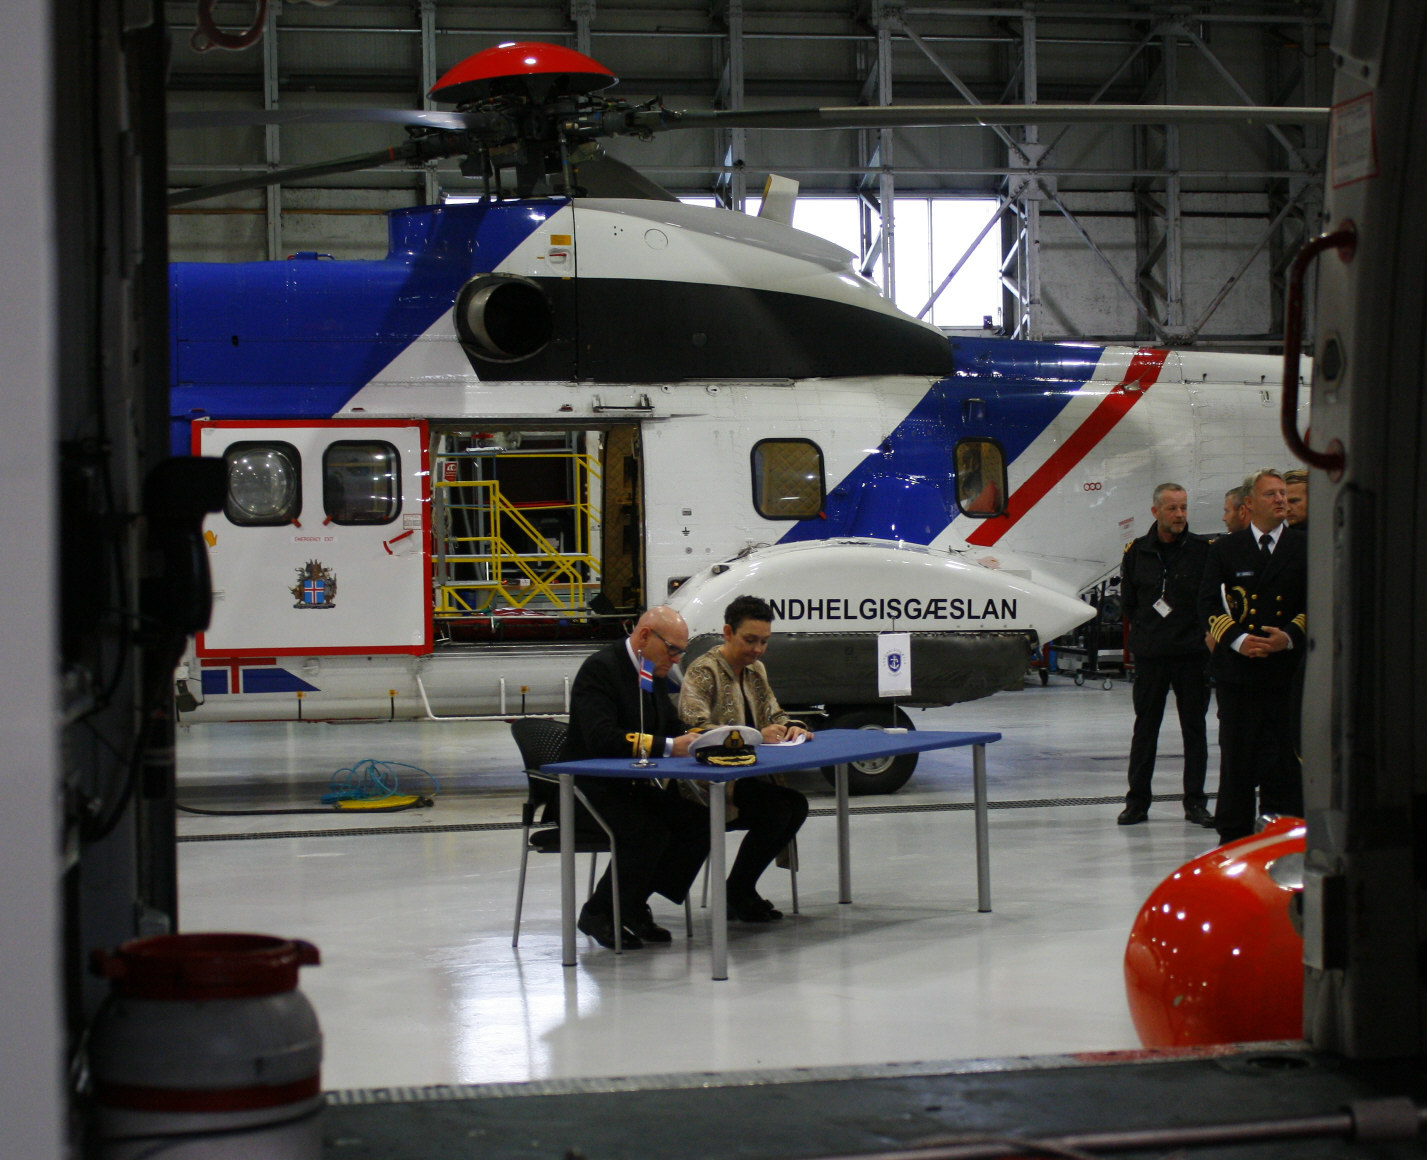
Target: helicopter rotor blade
{"points": [[404, 152], [224, 118], [932, 116]]}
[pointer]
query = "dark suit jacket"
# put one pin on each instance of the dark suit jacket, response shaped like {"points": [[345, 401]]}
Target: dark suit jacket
{"points": [[1261, 595], [604, 709]]}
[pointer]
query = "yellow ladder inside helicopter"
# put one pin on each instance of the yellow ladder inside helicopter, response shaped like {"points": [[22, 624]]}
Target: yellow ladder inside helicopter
{"points": [[543, 577]]}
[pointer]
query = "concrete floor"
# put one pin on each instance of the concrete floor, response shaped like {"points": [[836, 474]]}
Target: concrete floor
{"points": [[419, 984]]}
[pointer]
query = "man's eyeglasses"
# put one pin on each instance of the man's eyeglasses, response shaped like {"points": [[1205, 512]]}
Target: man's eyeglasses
{"points": [[674, 650]]}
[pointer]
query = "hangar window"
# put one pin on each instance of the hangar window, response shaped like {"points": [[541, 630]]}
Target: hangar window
{"points": [[980, 478], [787, 479], [361, 482], [264, 484]]}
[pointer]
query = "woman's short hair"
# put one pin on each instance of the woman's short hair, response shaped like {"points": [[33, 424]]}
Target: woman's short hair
{"points": [[747, 608]]}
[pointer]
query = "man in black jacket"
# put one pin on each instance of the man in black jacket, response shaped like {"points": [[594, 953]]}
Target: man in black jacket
{"points": [[661, 838], [1253, 601], [1159, 588]]}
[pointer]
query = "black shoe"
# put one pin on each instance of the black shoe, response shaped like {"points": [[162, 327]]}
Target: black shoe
{"points": [[1198, 816], [645, 929], [753, 909], [600, 927], [1133, 816]]}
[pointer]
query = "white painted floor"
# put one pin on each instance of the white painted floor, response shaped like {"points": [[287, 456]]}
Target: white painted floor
{"points": [[419, 984]]}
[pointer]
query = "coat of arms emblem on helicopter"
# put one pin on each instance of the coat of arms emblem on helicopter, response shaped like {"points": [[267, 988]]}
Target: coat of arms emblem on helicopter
{"points": [[316, 586]]}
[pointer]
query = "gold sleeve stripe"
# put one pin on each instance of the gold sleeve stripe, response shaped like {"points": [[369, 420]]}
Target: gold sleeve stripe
{"points": [[1300, 622], [1219, 625], [639, 744]]}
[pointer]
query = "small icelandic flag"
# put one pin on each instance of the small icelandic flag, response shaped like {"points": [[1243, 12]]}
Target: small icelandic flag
{"points": [[646, 674]]}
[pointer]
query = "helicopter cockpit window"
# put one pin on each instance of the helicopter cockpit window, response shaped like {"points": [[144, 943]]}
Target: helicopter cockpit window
{"points": [[980, 478], [787, 479], [264, 484], [361, 482]]}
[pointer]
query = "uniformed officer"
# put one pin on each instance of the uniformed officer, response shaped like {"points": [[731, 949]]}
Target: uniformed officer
{"points": [[1252, 601], [1160, 577], [1296, 485], [1235, 518]]}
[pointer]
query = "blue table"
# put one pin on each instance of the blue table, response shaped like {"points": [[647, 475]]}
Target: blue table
{"points": [[835, 747]]}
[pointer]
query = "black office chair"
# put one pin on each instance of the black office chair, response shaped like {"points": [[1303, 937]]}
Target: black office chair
{"points": [[540, 740]]}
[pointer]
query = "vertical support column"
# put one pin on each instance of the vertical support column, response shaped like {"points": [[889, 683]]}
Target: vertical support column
{"points": [[582, 12], [272, 150], [731, 182], [886, 183], [33, 1098], [737, 138], [1031, 267], [1173, 210], [427, 12]]}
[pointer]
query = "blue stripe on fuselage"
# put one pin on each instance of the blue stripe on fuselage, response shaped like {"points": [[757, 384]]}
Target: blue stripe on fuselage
{"points": [[905, 489], [297, 339]]}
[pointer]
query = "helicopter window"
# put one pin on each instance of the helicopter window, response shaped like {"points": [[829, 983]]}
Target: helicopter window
{"points": [[980, 478], [787, 479], [361, 482], [264, 484]]}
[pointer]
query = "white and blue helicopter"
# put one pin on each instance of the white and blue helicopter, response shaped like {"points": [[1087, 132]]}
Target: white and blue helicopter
{"points": [[454, 471]]}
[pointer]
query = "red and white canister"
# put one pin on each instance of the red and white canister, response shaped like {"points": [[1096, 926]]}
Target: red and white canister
{"points": [[206, 1046]]}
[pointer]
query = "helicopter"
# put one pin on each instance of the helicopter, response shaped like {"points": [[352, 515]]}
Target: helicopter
{"points": [[455, 471]]}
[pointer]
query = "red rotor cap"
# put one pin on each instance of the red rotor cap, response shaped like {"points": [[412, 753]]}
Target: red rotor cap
{"points": [[563, 69]]}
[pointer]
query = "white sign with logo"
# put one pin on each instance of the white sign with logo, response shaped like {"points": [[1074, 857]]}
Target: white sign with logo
{"points": [[894, 664]]}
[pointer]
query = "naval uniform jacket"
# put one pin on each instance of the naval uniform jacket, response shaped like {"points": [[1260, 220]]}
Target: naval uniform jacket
{"points": [[1260, 594], [1151, 571]]}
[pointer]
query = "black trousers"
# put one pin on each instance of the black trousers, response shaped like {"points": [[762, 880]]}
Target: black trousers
{"points": [[661, 839], [1154, 678], [1257, 749], [772, 814]]}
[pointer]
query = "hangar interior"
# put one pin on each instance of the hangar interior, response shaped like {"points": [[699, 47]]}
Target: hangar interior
{"points": [[1178, 235]]}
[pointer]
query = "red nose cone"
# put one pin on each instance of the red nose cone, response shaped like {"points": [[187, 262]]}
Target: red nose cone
{"points": [[565, 69], [1213, 956]]}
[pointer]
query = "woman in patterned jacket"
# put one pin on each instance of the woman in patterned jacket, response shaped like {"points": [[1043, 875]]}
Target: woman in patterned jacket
{"points": [[729, 686]]}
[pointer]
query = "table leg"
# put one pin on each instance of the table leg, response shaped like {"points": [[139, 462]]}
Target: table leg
{"points": [[718, 892], [844, 841], [567, 869], [983, 836]]}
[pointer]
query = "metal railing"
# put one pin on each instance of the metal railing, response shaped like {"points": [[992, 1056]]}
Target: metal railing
{"points": [[499, 575]]}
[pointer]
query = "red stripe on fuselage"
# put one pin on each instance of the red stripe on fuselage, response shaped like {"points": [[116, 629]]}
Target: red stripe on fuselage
{"points": [[1141, 376]]}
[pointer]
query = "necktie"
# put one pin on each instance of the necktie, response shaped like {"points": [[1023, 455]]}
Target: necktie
{"points": [[1265, 547]]}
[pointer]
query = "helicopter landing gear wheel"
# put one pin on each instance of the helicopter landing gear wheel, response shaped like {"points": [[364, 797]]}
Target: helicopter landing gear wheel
{"points": [[877, 774]]}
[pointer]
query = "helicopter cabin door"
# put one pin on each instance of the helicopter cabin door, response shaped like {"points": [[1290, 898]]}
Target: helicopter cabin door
{"points": [[322, 546]]}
